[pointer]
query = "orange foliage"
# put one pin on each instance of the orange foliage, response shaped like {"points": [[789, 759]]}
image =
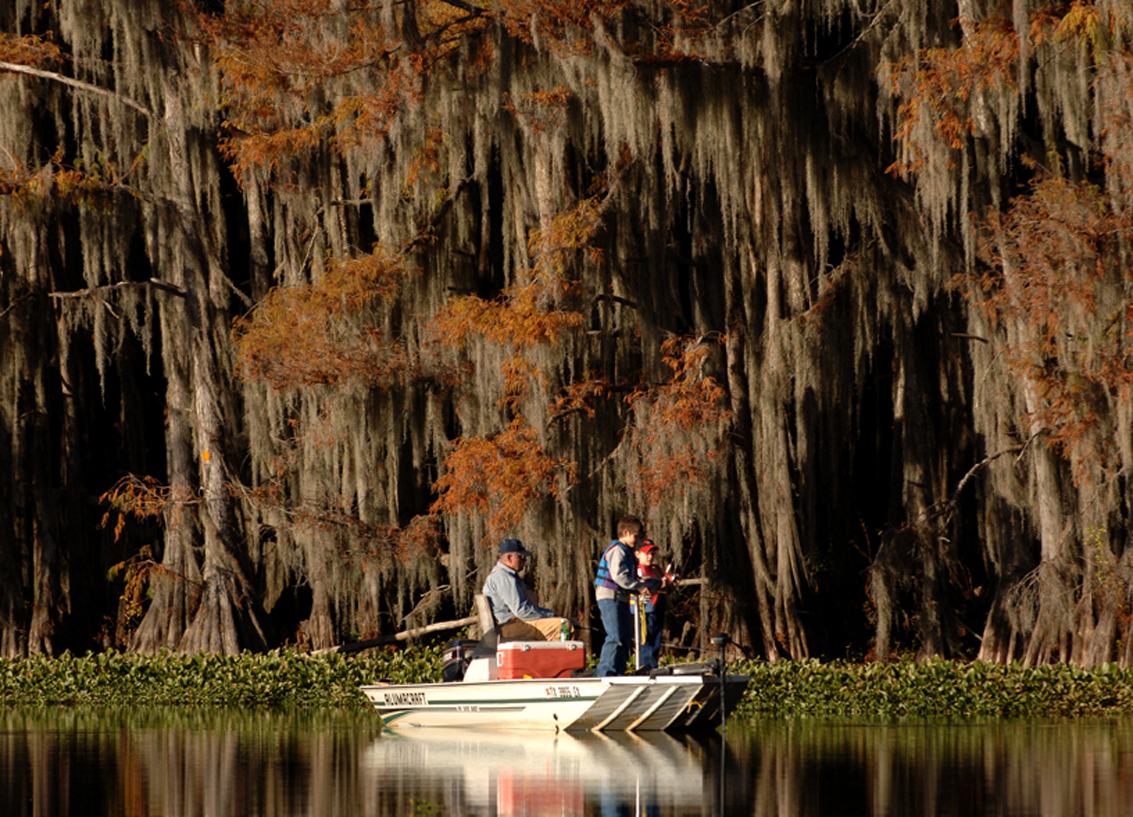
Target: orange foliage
{"points": [[564, 25], [501, 477], [1051, 256], [423, 535], [59, 182], [427, 159], [580, 397], [30, 50], [137, 572], [312, 335], [278, 62], [1057, 254], [570, 234], [336, 517], [141, 498], [533, 313], [1059, 247], [516, 317], [277, 59], [1083, 23], [680, 427], [939, 84], [541, 110], [555, 22]]}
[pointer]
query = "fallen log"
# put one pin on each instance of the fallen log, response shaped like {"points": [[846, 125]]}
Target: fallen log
{"points": [[404, 635]]}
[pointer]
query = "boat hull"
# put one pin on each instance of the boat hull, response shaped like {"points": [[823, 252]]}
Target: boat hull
{"points": [[631, 703]]}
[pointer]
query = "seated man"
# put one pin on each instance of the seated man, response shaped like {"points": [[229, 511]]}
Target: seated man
{"points": [[512, 606]]}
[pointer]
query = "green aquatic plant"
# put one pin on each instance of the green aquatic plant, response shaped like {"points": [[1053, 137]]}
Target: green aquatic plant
{"points": [[278, 678], [935, 688], [286, 679]]}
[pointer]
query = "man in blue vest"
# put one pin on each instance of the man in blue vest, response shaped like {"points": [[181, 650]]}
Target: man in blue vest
{"points": [[617, 578]]}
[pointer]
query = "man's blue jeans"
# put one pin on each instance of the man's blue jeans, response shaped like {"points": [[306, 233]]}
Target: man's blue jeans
{"points": [[618, 624]]}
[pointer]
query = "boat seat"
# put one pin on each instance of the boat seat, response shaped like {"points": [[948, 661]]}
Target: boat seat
{"points": [[490, 635], [489, 630], [487, 622]]}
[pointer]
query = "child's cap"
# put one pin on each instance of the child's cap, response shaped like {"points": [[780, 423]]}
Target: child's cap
{"points": [[647, 546]]}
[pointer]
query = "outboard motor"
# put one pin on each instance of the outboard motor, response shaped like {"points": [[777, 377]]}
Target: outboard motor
{"points": [[457, 656]]}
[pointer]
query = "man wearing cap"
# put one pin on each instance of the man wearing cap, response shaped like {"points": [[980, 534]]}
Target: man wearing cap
{"points": [[516, 615]]}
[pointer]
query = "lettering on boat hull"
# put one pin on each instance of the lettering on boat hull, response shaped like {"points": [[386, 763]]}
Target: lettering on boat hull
{"points": [[405, 699]]}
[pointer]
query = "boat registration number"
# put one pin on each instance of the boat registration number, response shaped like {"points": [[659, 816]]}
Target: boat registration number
{"points": [[563, 692]]}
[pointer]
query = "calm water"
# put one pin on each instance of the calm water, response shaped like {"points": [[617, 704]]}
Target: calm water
{"points": [[235, 763]]}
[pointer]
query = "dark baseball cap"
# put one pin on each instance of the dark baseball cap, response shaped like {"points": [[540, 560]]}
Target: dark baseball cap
{"points": [[513, 546]]}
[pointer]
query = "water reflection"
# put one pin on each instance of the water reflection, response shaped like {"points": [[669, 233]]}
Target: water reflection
{"points": [[541, 775], [1041, 768], [184, 763], [181, 762]]}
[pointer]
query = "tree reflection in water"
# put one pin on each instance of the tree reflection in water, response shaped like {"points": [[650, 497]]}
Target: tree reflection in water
{"points": [[183, 763]]}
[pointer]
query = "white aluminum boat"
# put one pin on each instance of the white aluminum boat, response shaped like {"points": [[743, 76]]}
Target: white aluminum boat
{"points": [[678, 698]]}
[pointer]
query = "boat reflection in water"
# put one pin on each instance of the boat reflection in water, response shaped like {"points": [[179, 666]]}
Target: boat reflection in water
{"points": [[507, 773]]}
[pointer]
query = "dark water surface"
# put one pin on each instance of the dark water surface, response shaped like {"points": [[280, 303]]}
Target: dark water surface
{"points": [[226, 763]]}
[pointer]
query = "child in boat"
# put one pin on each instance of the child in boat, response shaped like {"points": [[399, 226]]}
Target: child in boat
{"points": [[654, 602]]}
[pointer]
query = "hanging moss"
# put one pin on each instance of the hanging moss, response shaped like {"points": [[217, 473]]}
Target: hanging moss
{"points": [[771, 183]]}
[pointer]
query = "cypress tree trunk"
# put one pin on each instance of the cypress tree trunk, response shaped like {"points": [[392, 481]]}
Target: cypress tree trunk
{"points": [[228, 617]]}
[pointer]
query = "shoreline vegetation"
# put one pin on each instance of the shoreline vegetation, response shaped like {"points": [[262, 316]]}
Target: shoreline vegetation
{"points": [[283, 678]]}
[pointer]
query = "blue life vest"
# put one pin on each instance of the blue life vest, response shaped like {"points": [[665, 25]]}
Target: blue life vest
{"points": [[604, 578]]}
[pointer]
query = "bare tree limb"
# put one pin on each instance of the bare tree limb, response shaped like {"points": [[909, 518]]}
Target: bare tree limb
{"points": [[948, 507], [74, 83], [92, 292], [616, 299], [405, 635], [986, 461], [425, 234], [14, 304], [426, 600]]}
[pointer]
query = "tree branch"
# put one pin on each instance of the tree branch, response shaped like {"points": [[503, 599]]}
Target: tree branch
{"points": [[405, 635], [94, 291], [74, 83], [617, 299], [14, 304], [425, 234], [948, 507]]}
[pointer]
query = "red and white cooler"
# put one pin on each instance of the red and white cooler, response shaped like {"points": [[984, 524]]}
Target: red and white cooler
{"points": [[539, 659]]}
